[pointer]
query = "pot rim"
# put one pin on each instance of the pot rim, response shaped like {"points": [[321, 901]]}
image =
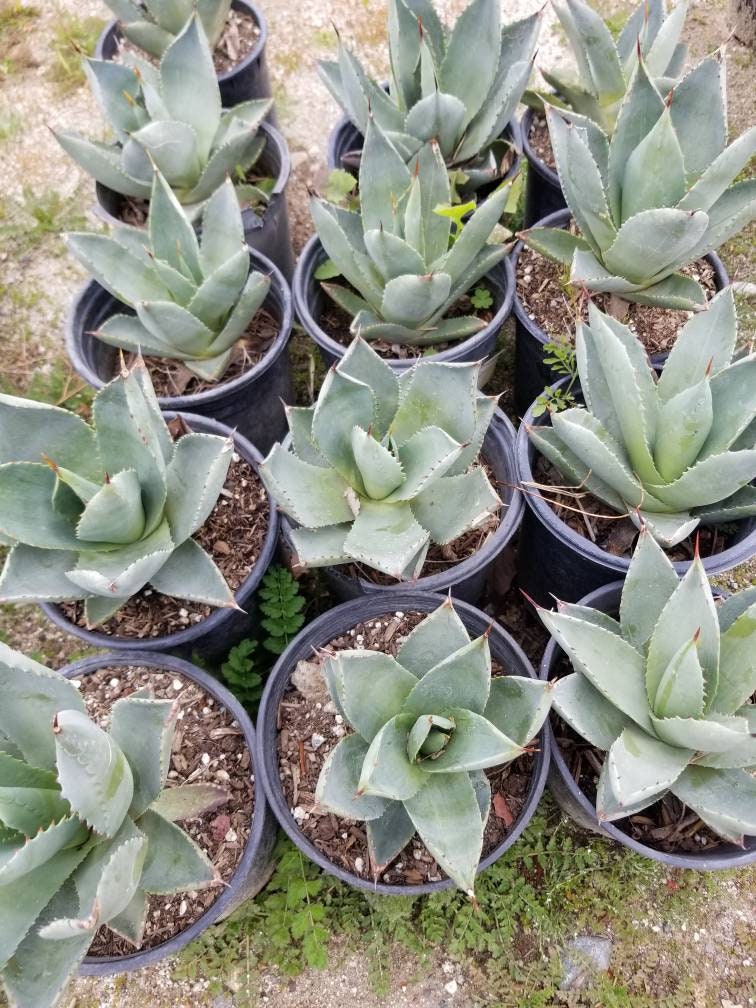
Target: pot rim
{"points": [[494, 544], [191, 634], [560, 218], [251, 8], [327, 625], [313, 254], [723, 857], [101, 965], [525, 451], [184, 403]]}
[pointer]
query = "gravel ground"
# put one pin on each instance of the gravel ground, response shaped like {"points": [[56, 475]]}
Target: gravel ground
{"points": [[36, 285]]}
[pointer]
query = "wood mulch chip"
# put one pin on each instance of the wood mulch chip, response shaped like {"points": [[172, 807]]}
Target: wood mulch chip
{"points": [[239, 38], [553, 303], [233, 535], [540, 141], [208, 748], [310, 727], [595, 520], [335, 322], [173, 378]]}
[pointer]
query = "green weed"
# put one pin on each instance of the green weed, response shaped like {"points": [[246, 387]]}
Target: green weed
{"points": [[73, 39]]}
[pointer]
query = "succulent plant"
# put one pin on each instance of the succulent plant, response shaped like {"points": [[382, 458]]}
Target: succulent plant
{"points": [[98, 511], [87, 825], [665, 692], [672, 452], [381, 467], [194, 298], [426, 725], [439, 90], [656, 196], [400, 253], [605, 66], [170, 118], [153, 24]]}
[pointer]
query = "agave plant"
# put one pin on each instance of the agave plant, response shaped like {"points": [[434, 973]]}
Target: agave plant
{"points": [[88, 828], [154, 24], [378, 468], [401, 255], [665, 693], [170, 118], [674, 452], [426, 725], [439, 90], [98, 511], [656, 196], [605, 66], [194, 298]]}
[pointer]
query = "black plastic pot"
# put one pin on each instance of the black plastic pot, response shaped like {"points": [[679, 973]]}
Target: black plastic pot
{"points": [[345, 143], [267, 234], [322, 630], [531, 374], [554, 561], [248, 79], [214, 636], [467, 580], [576, 804], [543, 190], [310, 302], [250, 403], [254, 868]]}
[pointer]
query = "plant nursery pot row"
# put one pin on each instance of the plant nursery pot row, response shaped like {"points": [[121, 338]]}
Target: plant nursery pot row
{"points": [[556, 562], [254, 866], [339, 622], [575, 803], [268, 232], [216, 633], [250, 403], [468, 579], [345, 143], [246, 80], [531, 374], [311, 303]]}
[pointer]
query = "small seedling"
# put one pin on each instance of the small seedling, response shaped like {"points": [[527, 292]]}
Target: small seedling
{"points": [[481, 298]]}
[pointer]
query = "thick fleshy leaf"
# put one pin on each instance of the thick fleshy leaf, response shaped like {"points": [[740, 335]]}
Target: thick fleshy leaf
{"points": [[41, 847], [733, 394], [461, 679], [454, 504], [686, 420], [174, 863], [607, 807], [710, 480], [103, 163], [30, 809], [640, 109], [194, 480], [424, 458], [720, 172], [387, 537], [384, 181], [478, 30], [386, 770], [388, 835], [609, 663], [380, 470], [586, 710], [32, 695], [715, 733], [187, 67], [554, 243], [130, 922], [321, 547], [438, 394], [364, 365], [640, 766], [339, 779], [187, 801], [27, 513], [653, 241], [115, 513], [120, 573], [518, 706], [650, 583], [428, 737], [93, 772], [371, 688], [313, 496], [681, 688], [343, 403], [655, 171], [439, 117], [475, 744], [725, 799], [191, 573], [737, 662], [143, 729], [411, 300], [440, 634], [32, 429], [446, 815]]}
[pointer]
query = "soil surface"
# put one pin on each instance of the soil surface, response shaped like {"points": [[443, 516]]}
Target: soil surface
{"points": [[208, 748], [592, 519], [233, 535], [554, 304], [309, 733], [540, 141], [172, 378]]}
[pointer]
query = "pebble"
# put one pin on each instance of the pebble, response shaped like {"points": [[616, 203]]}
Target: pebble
{"points": [[298, 813], [177, 684], [451, 987], [205, 759], [359, 865], [317, 741], [114, 682]]}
